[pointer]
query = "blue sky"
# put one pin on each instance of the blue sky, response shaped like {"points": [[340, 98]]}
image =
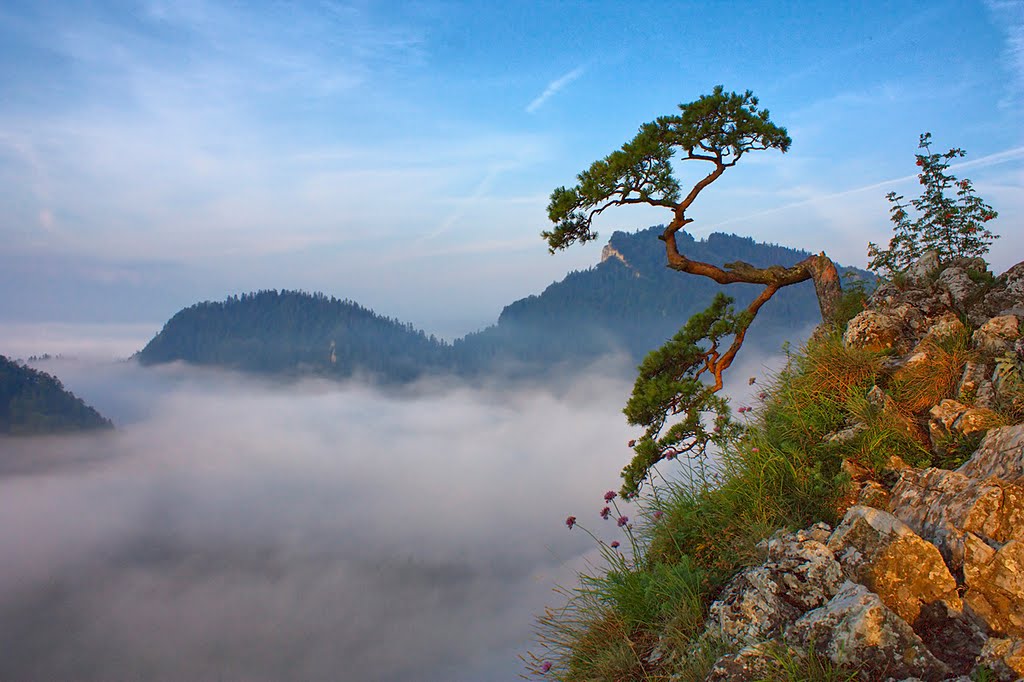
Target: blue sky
{"points": [[401, 153]]}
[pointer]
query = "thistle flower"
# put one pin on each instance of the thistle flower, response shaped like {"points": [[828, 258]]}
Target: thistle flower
{"points": [[623, 520], [570, 522], [615, 544], [545, 666], [609, 496], [606, 512], [658, 514]]}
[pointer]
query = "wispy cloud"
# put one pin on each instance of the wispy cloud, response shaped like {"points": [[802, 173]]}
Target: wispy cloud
{"points": [[981, 162], [554, 87], [1009, 16]]}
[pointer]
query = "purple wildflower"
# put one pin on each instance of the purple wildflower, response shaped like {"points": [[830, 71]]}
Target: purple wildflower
{"points": [[615, 544], [623, 520], [545, 666], [658, 514], [571, 521], [755, 450], [609, 496], [606, 512]]}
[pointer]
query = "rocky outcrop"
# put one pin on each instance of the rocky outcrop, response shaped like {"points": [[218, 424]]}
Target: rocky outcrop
{"points": [[881, 593], [855, 628], [923, 578], [928, 589], [882, 553], [800, 573]]}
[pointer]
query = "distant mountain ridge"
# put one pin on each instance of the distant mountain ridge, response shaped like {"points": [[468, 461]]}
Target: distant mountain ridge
{"points": [[34, 402], [628, 303]]}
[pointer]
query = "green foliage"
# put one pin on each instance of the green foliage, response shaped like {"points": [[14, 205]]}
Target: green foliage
{"points": [[952, 226], [777, 472], [34, 402], [669, 384], [853, 301], [292, 332], [789, 666], [718, 128]]}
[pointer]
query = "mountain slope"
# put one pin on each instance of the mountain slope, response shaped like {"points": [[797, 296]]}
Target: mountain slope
{"points": [[34, 402], [295, 332], [628, 303], [632, 302]]}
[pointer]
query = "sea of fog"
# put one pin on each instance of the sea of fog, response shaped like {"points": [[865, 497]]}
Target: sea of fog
{"points": [[239, 528]]}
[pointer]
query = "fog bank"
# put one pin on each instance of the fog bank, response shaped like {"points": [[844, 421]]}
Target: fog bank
{"points": [[237, 529]]}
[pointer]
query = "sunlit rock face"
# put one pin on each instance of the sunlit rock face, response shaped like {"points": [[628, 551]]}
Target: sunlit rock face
{"points": [[923, 578]]}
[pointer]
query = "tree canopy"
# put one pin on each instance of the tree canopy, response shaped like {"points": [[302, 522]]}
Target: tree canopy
{"points": [[718, 129]]}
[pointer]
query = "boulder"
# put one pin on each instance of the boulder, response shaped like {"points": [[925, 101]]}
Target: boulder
{"points": [[996, 336], [942, 505], [798, 574], [923, 270], [873, 330], [1000, 455], [962, 289], [884, 554], [856, 629], [947, 326], [995, 585]]}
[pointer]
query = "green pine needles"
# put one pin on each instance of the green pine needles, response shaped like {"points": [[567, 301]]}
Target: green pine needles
{"points": [[951, 225], [669, 383], [718, 128]]}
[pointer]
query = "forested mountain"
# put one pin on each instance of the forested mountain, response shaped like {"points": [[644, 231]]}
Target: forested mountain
{"points": [[295, 332], [629, 302], [632, 302], [34, 402]]}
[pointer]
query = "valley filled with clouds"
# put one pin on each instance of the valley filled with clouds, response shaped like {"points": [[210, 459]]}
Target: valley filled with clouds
{"points": [[241, 528]]}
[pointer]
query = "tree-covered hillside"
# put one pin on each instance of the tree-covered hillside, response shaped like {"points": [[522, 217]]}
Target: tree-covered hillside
{"points": [[34, 402], [631, 302], [296, 332]]}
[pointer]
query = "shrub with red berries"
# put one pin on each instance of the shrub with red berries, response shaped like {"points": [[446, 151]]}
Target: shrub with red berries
{"points": [[952, 226]]}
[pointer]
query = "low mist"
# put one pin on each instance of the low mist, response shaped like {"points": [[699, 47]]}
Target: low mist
{"points": [[239, 528], [236, 529]]}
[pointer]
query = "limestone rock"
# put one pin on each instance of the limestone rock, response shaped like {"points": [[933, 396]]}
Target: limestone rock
{"points": [[941, 505], [1004, 658], [847, 434], [884, 554], [750, 664], [996, 336], [799, 574], [995, 585], [856, 628], [962, 289], [873, 330], [946, 326], [1000, 455], [951, 417], [975, 386], [924, 268], [1007, 297]]}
